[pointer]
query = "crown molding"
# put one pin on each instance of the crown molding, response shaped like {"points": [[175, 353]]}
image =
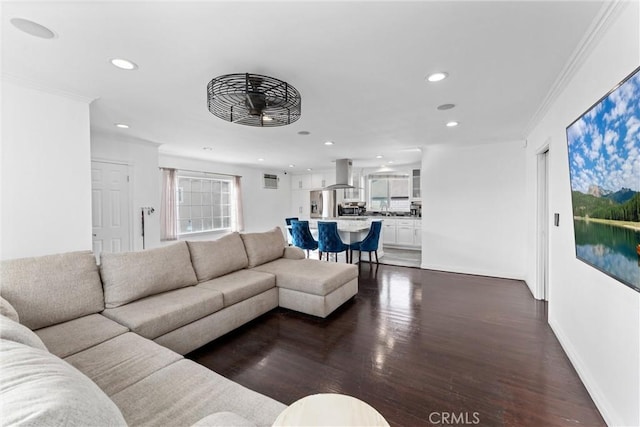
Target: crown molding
{"points": [[607, 14], [33, 84], [97, 132]]}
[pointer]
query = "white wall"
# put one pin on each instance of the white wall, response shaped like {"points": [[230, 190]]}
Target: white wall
{"points": [[596, 318], [46, 173], [472, 209], [263, 208], [142, 158]]}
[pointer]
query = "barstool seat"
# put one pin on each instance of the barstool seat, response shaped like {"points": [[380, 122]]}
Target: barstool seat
{"points": [[302, 237], [329, 240], [369, 243]]}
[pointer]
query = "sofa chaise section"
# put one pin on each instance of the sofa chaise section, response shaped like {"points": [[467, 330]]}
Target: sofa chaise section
{"points": [[309, 286], [312, 287]]}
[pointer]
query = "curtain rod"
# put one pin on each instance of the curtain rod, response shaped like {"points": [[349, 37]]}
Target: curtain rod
{"points": [[211, 173]]}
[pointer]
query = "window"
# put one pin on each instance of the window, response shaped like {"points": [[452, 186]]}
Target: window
{"points": [[389, 193], [205, 204]]}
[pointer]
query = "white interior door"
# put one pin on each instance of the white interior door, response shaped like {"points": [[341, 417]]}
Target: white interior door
{"points": [[110, 207]]}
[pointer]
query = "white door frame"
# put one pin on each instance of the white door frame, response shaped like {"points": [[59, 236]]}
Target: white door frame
{"points": [[542, 222], [130, 189]]}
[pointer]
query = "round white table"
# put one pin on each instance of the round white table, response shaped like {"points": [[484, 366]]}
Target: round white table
{"points": [[330, 409]]}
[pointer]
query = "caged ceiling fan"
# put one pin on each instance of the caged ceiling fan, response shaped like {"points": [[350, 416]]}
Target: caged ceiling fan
{"points": [[253, 100]]}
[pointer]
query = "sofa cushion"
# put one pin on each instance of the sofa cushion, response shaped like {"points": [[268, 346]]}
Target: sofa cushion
{"points": [[241, 285], [158, 314], [39, 389], [52, 289], [128, 276], [215, 258], [122, 361], [184, 392], [65, 339], [309, 275], [263, 247], [14, 331], [7, 310]]}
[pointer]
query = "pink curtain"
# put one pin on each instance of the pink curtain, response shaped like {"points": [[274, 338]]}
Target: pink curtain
{"points": [[168, 207], [239, 222]]}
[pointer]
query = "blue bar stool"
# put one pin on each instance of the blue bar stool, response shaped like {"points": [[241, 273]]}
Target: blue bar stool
{"points": [[369, 243], [288, 221], [329, 240], [301, 236]]}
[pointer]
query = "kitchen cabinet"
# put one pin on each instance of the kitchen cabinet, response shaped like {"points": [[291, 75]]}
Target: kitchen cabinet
{"points": [[356, 194], [389, 232], [415, 184], [301, 182], [417, 233], [313, 181], [318, 181], [404, 232], [300, 203]]}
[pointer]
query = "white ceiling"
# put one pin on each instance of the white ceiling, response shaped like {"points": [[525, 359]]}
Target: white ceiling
{"points": [[360, 68]]}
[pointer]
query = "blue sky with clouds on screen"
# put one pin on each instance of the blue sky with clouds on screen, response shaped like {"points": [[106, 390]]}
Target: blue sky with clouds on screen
{"points": [[604, 144]]}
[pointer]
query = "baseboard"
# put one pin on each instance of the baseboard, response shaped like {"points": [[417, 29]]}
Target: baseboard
{"points": [[600, 400], [475, 272]]}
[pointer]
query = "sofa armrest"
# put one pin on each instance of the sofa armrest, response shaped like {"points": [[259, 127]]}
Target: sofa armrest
{"points": [[293, 252]]}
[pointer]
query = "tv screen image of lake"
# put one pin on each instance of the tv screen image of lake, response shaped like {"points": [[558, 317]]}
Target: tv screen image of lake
{"points": [[610, 248]]}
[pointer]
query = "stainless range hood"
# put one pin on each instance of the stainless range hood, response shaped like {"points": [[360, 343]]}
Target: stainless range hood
{"points": [[343, 175]]}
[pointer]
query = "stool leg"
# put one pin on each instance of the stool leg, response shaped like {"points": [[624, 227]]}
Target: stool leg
{"points": [[320, 253], [369, 257], [376, 252], [351, 255]]}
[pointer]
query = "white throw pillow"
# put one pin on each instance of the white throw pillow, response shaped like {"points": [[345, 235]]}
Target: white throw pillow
{"points": [[14, 331], [39, 389], [7, 309]]}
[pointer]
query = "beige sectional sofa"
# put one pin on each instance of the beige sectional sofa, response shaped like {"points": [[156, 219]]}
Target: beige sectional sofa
{"points": [[108, 341]]}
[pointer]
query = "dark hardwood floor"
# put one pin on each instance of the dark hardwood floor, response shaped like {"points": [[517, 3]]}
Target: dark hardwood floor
{"points": [[422, 347]]}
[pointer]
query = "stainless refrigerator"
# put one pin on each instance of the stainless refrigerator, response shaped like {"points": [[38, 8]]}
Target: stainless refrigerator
{"points": [[323, 204]]}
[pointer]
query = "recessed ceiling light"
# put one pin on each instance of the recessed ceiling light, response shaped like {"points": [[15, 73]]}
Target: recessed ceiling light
{"points": [[444, 107], [452, 124], [292, 166], [32, 28], [304, 132], [328, 143], [436, 77], [207, 148], [122, 126], [261, 159], [378, 156], [124, 64], [390, 161], [309, 169]]}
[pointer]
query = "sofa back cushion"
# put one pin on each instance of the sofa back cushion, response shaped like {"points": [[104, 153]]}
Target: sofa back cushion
{"points": [[129, 276], [215, 258], [263, 247], [52, 289], [39, 389]]}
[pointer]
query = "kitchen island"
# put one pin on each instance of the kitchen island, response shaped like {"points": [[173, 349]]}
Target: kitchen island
{"points": [[350, 230]]}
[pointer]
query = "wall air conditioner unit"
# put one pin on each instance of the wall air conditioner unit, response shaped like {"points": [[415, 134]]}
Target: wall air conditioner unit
{"points": [[270, 181]]}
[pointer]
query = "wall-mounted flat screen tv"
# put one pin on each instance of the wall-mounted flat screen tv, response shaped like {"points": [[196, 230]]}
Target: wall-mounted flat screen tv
{"points": [[604, 163]]}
